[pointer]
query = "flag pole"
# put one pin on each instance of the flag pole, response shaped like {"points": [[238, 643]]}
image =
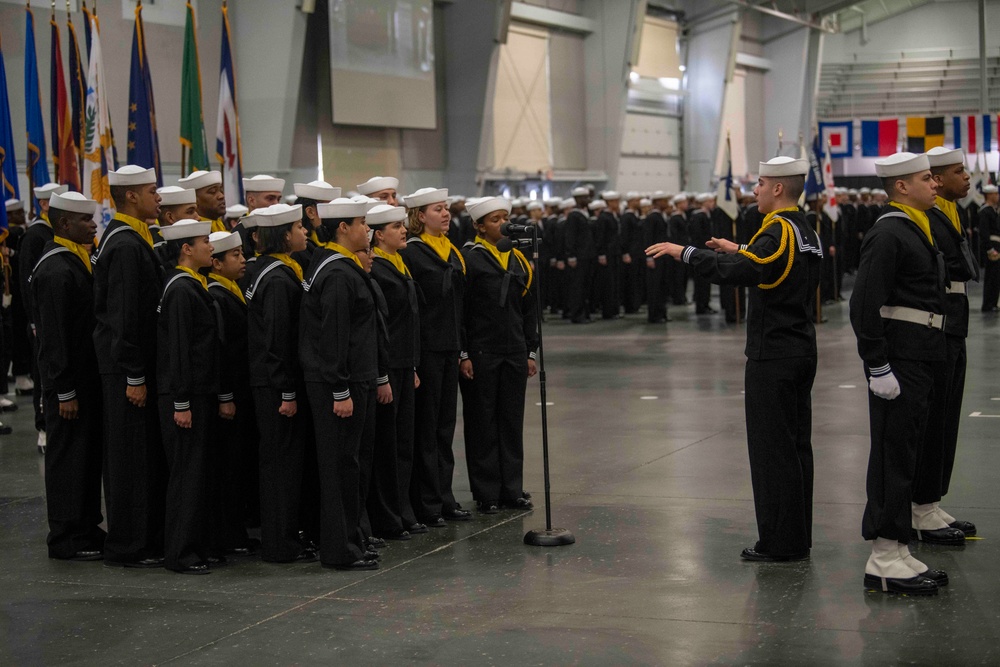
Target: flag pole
{"points": [[729, 186]]}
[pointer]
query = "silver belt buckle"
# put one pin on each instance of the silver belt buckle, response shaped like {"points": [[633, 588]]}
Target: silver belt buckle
{"points": [[930, 320]]}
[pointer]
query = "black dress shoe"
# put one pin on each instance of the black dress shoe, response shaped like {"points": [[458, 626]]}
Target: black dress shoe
{"points": [[362, 564], [307, 541], [401, 536], [416, 528], [197, 568], [457, 514], [144, 564], [967, 527], [489, 507], [216, 561], [918, 585], [939, 577], [7, 430], [945, 536], [371, 554], [751, 554], [86, 556], [11, 407], [377, 543], [305, 556], [436, 522]]}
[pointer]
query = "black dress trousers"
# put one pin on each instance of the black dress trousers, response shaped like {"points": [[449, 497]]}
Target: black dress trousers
{"points": [[494, 440], [937, 455], [390, 466], [897, 432], [282, 451], [135, 474], [73, 461], [434, 430], [188, 451], [779, 426], [338, 441]]}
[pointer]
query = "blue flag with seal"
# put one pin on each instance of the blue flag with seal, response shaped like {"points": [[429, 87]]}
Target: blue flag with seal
{"points": [[8, 163], [38, 167], [143, 143], [814, 179]]}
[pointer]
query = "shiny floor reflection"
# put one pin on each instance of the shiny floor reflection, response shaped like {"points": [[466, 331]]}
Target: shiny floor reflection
{"points": [[649, 470]]}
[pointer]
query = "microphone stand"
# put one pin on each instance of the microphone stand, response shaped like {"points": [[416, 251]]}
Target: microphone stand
{"points": [[549, 537]]}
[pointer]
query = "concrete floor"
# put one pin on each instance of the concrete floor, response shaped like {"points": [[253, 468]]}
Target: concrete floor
{"points": [[649, 471]]}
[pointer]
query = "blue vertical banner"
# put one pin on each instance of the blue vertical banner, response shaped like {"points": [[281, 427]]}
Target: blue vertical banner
{"points": [[38, 168], [8, 163], [143, 142]]}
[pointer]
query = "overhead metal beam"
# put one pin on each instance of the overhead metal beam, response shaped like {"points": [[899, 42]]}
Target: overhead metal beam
{"points": [[551, 19], [784, 16]]}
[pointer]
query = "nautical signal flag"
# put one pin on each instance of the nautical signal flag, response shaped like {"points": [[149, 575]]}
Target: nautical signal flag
{"points": [[879, 137], [228, 149], [973, 133], [838, 137], [923, 134]]}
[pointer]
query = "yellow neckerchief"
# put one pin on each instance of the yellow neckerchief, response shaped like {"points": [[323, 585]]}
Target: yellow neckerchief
{"points": [[504, 259], [919, 218], [138, 225], [315, 239], [217, 224], [443, 247], [950, 209], [396, 259], [194, 274], [77, 250], [228, 284], [45, 216], [786, 242], [336, 247], [287, 260]]}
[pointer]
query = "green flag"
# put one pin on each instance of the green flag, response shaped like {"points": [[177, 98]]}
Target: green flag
{"points": [[192, 122]]}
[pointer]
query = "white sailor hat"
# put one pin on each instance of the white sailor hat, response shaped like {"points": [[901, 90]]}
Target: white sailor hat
{"points": [[989, 189], [704, 197], [13, 205], [72, 202], [455, 199], [224, 241], [864, 191], [236, 211], [783, 165], [377, 184], [186, 229], [277, 215], [249, 221], [263, 183], [659, 194], [580, 192], [645, 201], [839, 191], [677, 199], [553, 201], [517, 202], [939, 156], [534, 205], [342, 208], [291, 199], [172, 195], [425, 196], [43, 192], [317, 190], [487, 205], [853, 192], [597, 204], [632, 194], [567, 204], [610, 194], [383, 214], [197, 180], [369, 202], [901, 164], [130, 174]]}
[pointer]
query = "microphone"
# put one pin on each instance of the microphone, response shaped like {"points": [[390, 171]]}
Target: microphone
{"points": [[510, 229], [505, 244]]}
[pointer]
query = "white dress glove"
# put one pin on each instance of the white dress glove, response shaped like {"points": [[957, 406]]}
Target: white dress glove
{"points": [[884, 386]]}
